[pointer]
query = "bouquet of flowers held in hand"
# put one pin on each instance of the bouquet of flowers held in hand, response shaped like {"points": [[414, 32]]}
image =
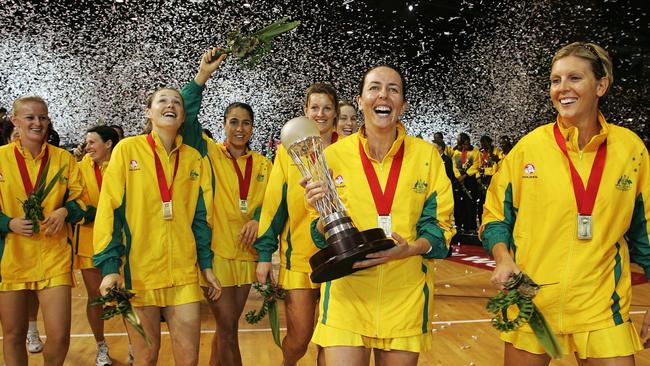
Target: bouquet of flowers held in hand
{"points": [[519, 291], [116, 302], [249, 49], [32, 206], [271, 292]]}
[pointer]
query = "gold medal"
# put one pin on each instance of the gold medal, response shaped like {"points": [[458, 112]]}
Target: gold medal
{"points": [[243, 206], [385, 223], [584, 227], [167, 210]]}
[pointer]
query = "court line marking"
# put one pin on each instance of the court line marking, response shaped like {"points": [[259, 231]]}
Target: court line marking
{"points": [[211, 331]]}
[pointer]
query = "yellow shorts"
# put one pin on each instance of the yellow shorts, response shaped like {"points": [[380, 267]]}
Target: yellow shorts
{"points": [[326, 336], [79, 262], [292, 280], [169, 296], [60, 280], [619, 340], [232, 272]]}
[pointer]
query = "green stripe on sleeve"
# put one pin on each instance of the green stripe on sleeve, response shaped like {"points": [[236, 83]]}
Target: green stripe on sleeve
{"points": [[427, 227], [267, 243]]}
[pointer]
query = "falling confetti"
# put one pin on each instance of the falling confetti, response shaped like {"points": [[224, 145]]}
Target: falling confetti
{"points": [[478, 66]]}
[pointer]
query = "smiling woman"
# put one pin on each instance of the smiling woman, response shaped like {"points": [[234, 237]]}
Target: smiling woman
{"points": [[570, 200], [30, 260], [152, 243], [385, 308]]}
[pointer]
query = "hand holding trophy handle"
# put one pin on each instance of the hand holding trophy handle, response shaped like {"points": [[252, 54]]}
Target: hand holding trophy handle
{"points": [[345, 243]]}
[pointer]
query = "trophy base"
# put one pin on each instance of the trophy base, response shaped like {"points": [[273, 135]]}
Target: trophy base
{"points": [[335, 261]]}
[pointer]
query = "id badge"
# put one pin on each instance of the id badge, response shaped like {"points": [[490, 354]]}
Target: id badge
{"points": [[584, 227], [243, 206], [167, 210], [385, 223]]}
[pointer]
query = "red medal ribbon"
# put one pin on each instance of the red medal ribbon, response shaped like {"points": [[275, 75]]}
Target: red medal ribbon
{"points": [[24, 174], [463, 157], [245, 180], [335, 137], [165, 190], [585, 198], [98, 176], [383, 200]]}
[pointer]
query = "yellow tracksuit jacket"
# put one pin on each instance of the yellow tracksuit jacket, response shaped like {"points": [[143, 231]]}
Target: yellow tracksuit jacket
{"points": [[284, 214], [489, 168], [392, 299], [83, 230], [39, 257], [531, 207], [229, 220], [129, 229], [472, 162]]}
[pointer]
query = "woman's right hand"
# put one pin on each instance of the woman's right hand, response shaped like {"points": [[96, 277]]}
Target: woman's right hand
{"points": [[264, 271], [206, 68], [21, 226], [313, 191], [109, 281], [505, 267]]}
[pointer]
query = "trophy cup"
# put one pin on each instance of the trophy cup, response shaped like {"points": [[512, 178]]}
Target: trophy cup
{"points": [[345, 243]]}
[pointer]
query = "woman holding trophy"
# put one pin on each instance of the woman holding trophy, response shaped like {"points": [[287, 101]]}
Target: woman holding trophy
{"points": [[40, 190], [569, 208], [386, 308]]}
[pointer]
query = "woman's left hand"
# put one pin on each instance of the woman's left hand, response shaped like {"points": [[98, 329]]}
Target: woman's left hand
{"points": [[55, 221], [248, 233], [402, 249], [214, 289]]}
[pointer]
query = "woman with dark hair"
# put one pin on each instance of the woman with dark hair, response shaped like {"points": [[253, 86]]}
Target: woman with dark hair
{"points": [[240, 176], [100, 142], [539, 218], [466, 159], [387, 306], [157, 239]]}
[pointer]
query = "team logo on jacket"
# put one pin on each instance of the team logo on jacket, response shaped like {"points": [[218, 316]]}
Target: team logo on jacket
{"points": [[194, 175], [338, 180], [420, 186], [624, 183], [529, 169], [133, 165], [260, 178]]}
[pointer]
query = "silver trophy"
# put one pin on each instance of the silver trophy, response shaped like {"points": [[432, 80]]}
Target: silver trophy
{"points": [[345, 243]]}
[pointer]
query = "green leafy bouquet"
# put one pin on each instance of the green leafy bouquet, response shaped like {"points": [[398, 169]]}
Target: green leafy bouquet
{"points": [[117, 302], [271, 292], [33, 205], [519, 291], [249, 49]]}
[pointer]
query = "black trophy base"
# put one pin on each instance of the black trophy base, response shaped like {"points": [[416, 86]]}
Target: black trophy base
{"points": [[336, 260]]}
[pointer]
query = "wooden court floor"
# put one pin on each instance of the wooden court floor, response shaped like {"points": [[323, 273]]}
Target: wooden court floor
{"points": [[462, 336]]}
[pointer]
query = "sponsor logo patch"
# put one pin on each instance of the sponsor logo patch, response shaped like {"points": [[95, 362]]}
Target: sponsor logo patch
{"points": [[133, 165]]}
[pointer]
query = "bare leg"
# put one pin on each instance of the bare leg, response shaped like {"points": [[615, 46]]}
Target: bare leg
{"points": [[92, 278], [349, 356], [146, 355], [55, 306], [13, 317], [300, 306], [516, 357], [227, 311], [32, 306], [388, 358], [184, 322]]}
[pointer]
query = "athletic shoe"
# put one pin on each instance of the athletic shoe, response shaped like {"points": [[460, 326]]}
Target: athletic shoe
{"points": [[34, 343]]}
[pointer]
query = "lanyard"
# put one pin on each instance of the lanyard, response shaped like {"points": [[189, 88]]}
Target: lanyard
{"points": [[165, 190], [24, 174], [383, 200], [585, 198], [98, 176], [244, 180], [463, 157]]}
